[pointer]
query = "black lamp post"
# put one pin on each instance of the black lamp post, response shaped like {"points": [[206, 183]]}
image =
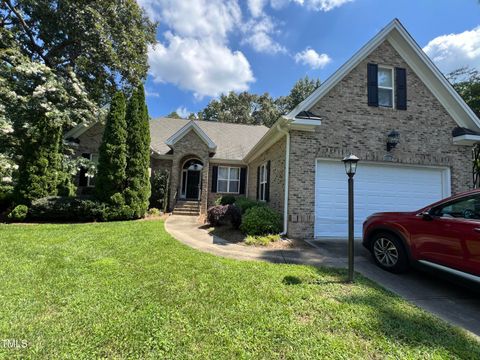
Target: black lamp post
{"points": [[350, 168]]}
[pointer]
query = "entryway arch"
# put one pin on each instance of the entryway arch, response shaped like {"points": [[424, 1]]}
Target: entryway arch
{"points": [[191, 179]]}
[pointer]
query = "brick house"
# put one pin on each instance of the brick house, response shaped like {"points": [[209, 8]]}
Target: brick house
{"points": [[388, 104]]}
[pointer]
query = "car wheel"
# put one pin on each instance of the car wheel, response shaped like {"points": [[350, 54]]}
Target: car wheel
{"points": [[389, 253]]}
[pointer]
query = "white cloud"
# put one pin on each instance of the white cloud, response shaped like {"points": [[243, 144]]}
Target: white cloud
{"points": [[311, 58], [450, 52], [322, 5], [149, 93], [200, 65], [183, 112], [256, 7], [258, 34], [196, 18]]}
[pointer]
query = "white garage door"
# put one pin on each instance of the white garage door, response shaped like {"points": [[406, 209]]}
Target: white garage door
{"points": [[390, 187]]}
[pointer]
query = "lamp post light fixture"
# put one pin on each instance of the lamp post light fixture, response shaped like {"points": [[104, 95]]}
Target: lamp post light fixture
{"points": [[350, 162], [393, 139]]}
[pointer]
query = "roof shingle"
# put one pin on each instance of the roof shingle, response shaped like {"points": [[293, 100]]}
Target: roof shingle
{"points": [[233, 141]]}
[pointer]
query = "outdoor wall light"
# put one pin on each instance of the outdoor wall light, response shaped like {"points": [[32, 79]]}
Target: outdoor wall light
{"points": [[392, 139]]}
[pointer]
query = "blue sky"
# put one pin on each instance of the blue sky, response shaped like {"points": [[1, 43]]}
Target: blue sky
{"points": [[206, 47]]}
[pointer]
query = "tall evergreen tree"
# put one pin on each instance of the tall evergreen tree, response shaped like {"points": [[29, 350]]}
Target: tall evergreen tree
{"points": [[40, 165], [112, 160], [138, 154]]}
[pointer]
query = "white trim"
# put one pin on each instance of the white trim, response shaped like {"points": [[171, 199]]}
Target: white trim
{"points": [[264, 174], [78, 130], [227, 161], [184, 196], [184, 131], [455, 272], [418, 61], [229, 179], [90, 178], [392, 88], [467, 139]]}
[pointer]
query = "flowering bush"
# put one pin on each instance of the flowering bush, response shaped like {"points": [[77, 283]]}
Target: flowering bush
{"points": [[221, 214]]}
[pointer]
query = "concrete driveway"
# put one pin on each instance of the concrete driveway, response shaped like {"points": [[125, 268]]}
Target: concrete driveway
{"points": [[450, 298], [446, 297]]}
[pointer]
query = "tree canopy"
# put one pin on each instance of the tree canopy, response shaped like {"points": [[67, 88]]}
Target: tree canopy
{"points": [[60, 62], [467, 83], [247, 108]]}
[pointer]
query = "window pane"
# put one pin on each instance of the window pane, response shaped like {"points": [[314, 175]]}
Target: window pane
{"points": [[385, 97], [234, 186], [223, 173], [466, 208], [385, 77], [222, 185], [263, 173], [234, 173]]}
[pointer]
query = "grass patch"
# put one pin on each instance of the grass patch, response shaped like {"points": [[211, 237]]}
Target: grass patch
{"points": [[262, 240], [129, 290]]}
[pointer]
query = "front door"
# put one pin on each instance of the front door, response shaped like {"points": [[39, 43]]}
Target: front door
{"points": [[193, 184]]}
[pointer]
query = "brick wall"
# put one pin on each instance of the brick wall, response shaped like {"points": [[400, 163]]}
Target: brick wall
{"points": [[190, 146], [276, 155], [350, 125]]}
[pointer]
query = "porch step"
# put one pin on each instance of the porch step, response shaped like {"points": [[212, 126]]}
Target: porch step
{"points": [[191, 208]]}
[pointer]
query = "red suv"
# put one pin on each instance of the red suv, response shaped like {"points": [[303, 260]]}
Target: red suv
{"points": [[444, 235]]}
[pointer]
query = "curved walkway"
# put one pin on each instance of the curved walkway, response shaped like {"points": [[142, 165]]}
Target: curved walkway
{"points": [[187, 230], [431, 292]]}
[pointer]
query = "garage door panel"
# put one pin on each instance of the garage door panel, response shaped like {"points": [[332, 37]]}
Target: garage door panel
{"points": [[377, 188]]}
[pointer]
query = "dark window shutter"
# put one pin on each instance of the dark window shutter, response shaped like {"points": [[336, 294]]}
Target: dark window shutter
{"points": [[214, 178], [401, 88], [258, 183], [372, 84], [82, 175], [267, 187], [243, 179]]}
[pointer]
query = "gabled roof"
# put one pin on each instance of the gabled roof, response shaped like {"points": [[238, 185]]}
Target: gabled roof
{"points": [[418, 61], [233, 141], [191, 126]]}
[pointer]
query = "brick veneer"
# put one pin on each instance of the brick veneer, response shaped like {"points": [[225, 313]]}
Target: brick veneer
{"points": [[350, 125], [189, 146], [276, 155]]}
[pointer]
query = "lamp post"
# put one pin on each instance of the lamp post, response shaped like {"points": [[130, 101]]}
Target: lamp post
{"points": [[350, 162]]}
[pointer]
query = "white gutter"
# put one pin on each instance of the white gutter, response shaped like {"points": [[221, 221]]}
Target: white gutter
{"points": [[287, 171]]}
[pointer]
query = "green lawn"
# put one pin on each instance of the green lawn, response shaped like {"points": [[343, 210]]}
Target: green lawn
{"points": [[129, 290]]}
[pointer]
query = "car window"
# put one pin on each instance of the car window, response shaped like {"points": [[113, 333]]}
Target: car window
{"points": [[466, 208]]}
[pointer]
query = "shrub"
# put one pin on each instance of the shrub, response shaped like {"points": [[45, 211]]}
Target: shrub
{"points": [[57, 208], [154, 212], [19, 213], [6, 197], [244, 204], [262, 240], [221, 214], [225, 200], [261, 220], [160, 184]]}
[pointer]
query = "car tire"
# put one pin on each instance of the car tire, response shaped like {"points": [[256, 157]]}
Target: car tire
{"points": [[389, 253]]}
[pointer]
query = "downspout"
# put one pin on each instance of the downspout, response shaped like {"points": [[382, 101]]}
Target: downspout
{"points": [[287, 171]]}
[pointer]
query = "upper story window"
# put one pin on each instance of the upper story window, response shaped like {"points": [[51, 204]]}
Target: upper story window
{"points": [[228, 180], [385, 87]]}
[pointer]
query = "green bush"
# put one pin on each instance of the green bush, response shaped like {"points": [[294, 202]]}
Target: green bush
{"points": [[261, 220], [244, 204], [71, 209], [154, 212], [262, 240], [6, 197], [225, 200], [160, 183], [19, 213]]}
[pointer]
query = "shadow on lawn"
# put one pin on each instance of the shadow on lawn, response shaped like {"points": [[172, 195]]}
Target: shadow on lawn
{"points": [[413, 328]]}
